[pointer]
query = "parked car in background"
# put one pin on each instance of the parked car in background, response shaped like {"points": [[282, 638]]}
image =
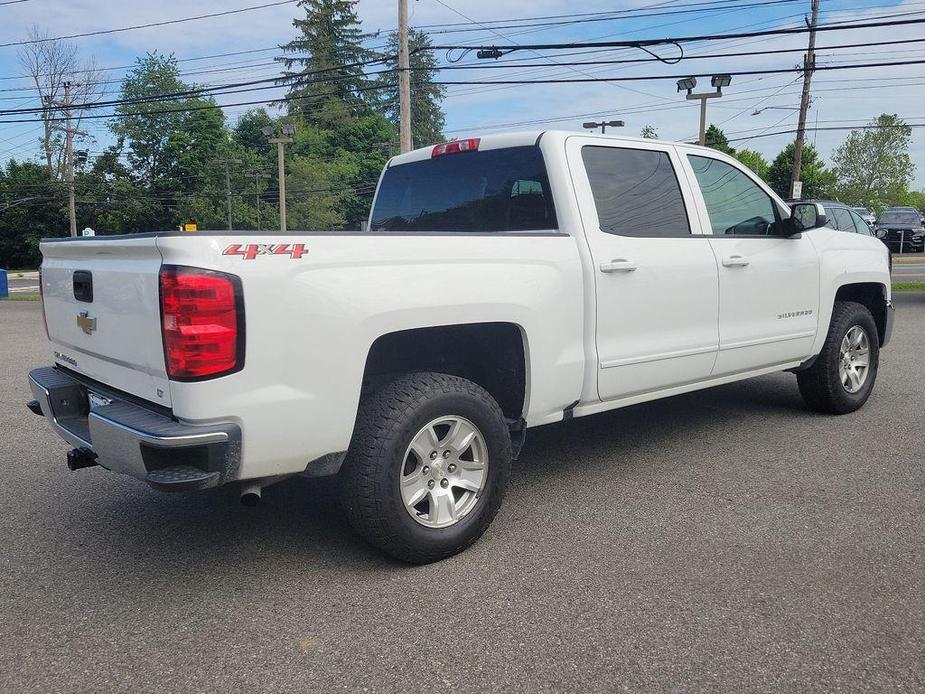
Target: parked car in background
{"points": [[841, 217], [866, 215], [901, 229]]}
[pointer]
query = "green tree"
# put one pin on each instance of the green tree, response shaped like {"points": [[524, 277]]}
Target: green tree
{"points": [[147, 122], [754, 161], [717, 139], [247, 133], [328, 84], [649, 132], [173, 146], [818, 182], [913, 198], [427, 116], [873, 166], [31, 207]]}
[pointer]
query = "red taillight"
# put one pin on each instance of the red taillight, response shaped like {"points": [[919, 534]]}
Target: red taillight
{"points": [[455, 147], [42, 300], [202, 320]]}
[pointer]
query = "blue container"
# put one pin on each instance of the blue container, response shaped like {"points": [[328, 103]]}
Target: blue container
{"points": [[4, 285]]}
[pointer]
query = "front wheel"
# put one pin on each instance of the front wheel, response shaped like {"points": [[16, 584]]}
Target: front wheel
{"points": [[427, 468], [843, 375]]}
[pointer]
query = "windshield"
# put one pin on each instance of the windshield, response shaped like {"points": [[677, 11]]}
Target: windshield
{"points": [[493, 190], [905, 218]]}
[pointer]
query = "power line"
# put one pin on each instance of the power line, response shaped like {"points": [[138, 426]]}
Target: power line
{"points": [[569, 80], [149, 25], [599, 13], [735, 54], [612, 16], [815, 129], [677, 40]]}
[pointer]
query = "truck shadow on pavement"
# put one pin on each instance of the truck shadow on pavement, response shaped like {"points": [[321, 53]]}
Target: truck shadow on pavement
{"points": [[129, 530]]}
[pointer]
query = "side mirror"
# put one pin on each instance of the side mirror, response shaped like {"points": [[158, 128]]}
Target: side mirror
{"points": [[807, 215]]}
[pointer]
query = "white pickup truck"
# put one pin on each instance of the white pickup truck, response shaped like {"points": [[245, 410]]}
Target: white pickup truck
{"points": [[505, 282]]}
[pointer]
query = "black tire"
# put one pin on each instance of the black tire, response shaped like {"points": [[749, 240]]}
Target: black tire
{"points": [[387, 421], [820, 385]]}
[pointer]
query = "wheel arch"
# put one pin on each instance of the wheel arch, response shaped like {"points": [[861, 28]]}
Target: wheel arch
{"points": [[873, 295], [492, 354]]}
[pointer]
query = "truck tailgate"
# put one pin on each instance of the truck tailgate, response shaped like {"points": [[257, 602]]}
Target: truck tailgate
{"points": [[102, 308]]}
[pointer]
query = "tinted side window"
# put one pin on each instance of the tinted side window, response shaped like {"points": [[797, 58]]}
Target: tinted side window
{"points": [[843, 221], [735, 203], [492, 190], [636, 192]]}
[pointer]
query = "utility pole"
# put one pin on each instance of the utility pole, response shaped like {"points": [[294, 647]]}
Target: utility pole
{"points": [[281, 138], [404, 79], [809, 65], [70, 133], [228, 162], [69, 158], [257, 176]]}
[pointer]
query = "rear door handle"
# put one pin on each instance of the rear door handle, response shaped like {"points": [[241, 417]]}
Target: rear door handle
{"points": [[735, 261], [618, 265]]}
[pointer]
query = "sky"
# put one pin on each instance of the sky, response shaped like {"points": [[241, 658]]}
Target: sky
{"points": [[840, 97]]}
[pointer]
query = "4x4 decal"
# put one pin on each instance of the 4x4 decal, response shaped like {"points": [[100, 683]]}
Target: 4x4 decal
{"points": [[252, 250]]}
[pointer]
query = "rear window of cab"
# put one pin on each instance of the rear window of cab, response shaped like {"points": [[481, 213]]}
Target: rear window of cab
{"points": [[495, 190]]}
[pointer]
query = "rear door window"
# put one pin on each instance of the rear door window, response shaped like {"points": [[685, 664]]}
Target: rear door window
{"points": [[492, 190], [635, 191]]}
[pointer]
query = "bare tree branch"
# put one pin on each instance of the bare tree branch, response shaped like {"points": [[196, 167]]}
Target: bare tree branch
{"points": [[50, 64]]}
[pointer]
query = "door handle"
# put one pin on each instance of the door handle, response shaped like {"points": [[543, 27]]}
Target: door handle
{"points": [[618, 265], [735, 261]]}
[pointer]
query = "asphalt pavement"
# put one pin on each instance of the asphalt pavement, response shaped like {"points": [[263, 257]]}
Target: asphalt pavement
{"points": [[727, 540], [909, 272], [23, 282]]}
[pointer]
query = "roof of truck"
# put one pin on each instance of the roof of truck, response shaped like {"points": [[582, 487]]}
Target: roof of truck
{"points": [[522, 138]]}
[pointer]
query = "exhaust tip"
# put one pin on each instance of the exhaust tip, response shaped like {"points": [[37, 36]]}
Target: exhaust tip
{"points": [[250, 499], [250, 494]]}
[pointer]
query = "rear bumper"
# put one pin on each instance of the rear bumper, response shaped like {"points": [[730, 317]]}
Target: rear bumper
{"points": [[130, 439]]}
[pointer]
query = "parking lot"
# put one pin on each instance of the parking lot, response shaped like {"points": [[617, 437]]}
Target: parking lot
{"points": [[727, 540]]}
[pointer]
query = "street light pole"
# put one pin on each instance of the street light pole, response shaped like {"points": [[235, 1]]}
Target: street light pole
{"points": [[718, 82], [281, 160], [603, 125]]}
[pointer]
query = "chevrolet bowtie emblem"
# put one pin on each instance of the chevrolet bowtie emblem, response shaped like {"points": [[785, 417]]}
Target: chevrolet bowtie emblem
{"points": [[87, 324]]}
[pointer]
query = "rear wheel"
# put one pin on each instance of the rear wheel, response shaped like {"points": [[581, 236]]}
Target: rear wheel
{"points": [[843, 375], [427, 467]]}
